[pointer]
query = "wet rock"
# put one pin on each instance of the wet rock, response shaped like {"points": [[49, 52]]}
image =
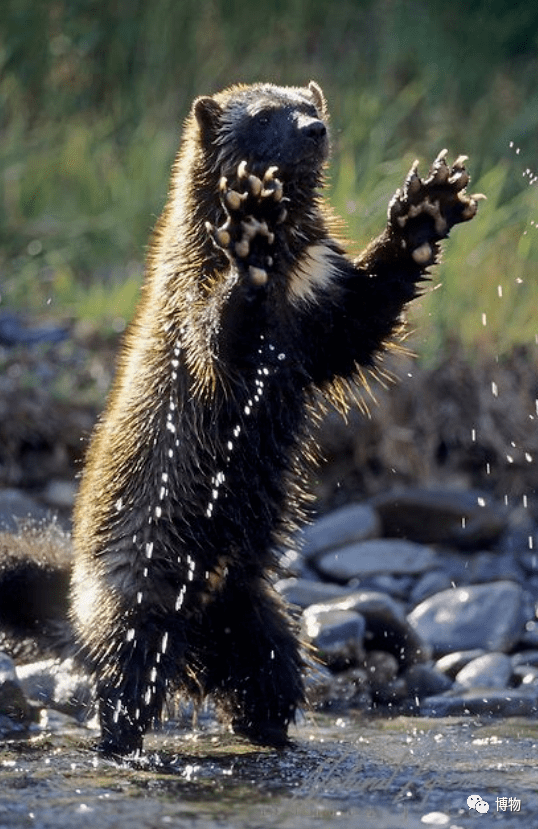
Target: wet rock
{"points": [[492, 670], [337, 634], [381, 669], [346, 688], [375, 557], [484, 567], [462, 518], [525, 658], [60, 494], [16, 507], [58, 685], [452, 663], [339, 528], [491, 616], [514, 703], [387, 628], [397, 586], [14, 706], [304, 592], [425, 681], [529, 637], [429, 584], [526, 676]]}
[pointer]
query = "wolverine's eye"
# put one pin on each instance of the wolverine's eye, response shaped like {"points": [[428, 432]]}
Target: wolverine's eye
{"points": [[263, 118]]}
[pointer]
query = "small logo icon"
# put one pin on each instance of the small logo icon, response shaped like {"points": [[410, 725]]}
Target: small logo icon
{"points": [[474, 801]]}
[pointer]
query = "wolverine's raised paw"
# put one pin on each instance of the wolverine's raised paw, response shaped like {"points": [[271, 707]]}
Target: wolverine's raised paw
{"points": [[254, 207], [424, 210]]}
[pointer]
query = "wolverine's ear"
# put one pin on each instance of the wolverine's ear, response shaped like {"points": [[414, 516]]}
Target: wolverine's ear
{"points": [[207, 112], [319, 97]]}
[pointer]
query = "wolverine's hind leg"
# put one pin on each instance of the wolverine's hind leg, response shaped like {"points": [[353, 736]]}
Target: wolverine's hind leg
{"points": [[254, 665], [131, 694]]}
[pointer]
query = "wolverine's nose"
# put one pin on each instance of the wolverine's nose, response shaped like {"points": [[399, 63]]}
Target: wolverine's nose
{"points": [[312, 128]]}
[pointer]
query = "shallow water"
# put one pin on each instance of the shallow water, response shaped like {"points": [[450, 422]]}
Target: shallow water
{"points": [[402, 773]]}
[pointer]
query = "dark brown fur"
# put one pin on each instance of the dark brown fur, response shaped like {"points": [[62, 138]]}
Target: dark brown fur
{"points": [[249, 308]]}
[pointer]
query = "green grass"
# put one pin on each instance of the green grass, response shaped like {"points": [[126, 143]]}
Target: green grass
{"points": [[91, 104]]}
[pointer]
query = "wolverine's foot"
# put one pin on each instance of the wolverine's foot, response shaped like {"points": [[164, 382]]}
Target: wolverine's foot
{"points": [[425, 210], [264, 734], [253, 208]]}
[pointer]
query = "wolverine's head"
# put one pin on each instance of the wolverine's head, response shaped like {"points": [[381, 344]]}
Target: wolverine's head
{"points": [[265, 125]]}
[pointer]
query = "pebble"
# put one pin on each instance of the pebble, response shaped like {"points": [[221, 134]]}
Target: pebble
{"points": [[304, 592], [15, 507], [452, 663], [337, 634], [425, 681], [465, 519], [15, 710], [492, 670], [513, 703], [375, 557], [376, 609], [57, 684], [387, 628], [339, 528], [486, 616]]}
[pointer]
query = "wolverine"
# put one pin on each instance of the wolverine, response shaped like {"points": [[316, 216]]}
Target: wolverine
{"points": [[251, 311]]}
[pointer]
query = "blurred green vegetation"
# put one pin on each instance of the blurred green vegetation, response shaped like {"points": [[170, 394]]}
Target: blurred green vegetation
{"points": [[92, 96]]}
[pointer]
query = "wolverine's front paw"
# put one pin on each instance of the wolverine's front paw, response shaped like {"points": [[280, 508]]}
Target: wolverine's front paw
{"points": [[424, 210], [253, 208]]}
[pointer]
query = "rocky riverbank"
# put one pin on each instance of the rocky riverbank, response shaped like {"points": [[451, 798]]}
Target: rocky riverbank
{"points": [[441, 622]]}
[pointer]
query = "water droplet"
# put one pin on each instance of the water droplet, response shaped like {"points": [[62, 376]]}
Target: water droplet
{"points": [[164, 642], [247, 410], [229, 446], [281, 356], [149, 549], [130, 635], [170, 453], [164, 477], [158, 512], [139, 598], [494, 389], [119, 504]]}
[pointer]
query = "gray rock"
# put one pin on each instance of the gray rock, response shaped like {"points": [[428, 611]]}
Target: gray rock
{"points": [[60, 494], [526, 676], [344, 526], [381, 669], [304, 592], [492, 670], [375, 557], [514, 703], [13, 704], [462, 518], [489, 616], [387, 628], [525, 658], [452, 663], [58, 685], [425, 681], [484, 567], [397, 586], [16, 507], [429, 584], [337, 634], [346, 688]]}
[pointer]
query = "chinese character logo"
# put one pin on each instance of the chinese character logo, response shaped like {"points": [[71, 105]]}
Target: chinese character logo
{"points": [[474, 801]]}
